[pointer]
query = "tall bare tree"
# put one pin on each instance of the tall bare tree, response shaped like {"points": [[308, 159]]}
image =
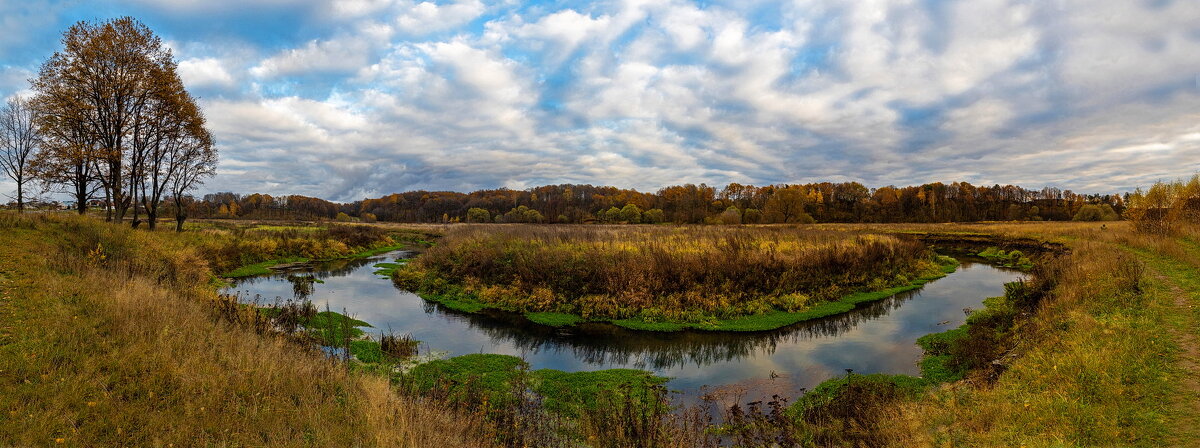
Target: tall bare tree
{"points": [[193, 161], [179, 152], [19, 143]]}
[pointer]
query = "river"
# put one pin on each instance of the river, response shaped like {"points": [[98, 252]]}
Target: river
{"points": [[879, 337]]}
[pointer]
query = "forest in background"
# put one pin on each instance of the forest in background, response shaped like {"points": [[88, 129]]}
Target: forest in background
{"points": [[685, 204]]}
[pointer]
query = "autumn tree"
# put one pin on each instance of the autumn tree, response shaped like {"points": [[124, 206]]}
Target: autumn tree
{"points": [[176, 147], [786, 205], [731, 216], [631, 214], [19, 143], [190, 161], [654, 216], [108, 81], [1092, 212], [478, 215], [66, 159]]}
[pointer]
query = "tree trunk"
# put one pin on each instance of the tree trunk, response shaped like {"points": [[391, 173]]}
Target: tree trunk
{"points": [[108, 205], [134, 202], [179, 218], [151, 217], [20, 197]]}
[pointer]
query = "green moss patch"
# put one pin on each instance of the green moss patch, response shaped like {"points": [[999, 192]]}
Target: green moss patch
{"points": [[555, 319], [496, 376], [1012, 259], [262, 268], [386, 269]]}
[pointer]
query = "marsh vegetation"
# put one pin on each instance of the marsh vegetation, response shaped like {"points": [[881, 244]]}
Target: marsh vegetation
{"points": [[667, 278]]}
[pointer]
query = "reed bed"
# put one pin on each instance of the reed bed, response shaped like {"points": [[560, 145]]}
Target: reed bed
{"points": [[672, 273]]}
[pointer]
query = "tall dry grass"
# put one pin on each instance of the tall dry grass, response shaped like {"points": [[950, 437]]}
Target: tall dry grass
{"points": [[107, 341], [621, 271], [1094, 364]]}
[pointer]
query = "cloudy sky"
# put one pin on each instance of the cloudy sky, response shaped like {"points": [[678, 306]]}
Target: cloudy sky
{"points": [[346, 99]]}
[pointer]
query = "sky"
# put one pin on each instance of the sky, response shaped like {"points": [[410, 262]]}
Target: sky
{"points": [[346, 99]]}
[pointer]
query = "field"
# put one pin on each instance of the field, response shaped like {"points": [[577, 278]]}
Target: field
{"points": [[667, 278], [108, 336], [106, 339]]}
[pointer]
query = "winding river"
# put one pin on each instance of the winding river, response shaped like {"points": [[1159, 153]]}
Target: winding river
{"points": [[877, 338]]}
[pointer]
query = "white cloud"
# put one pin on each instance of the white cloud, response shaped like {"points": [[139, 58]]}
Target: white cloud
{"points": [[426, 17], [344, 54], [203, 72]]}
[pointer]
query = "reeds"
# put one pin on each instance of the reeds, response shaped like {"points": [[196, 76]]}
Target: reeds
{"points": [[671, 273]]}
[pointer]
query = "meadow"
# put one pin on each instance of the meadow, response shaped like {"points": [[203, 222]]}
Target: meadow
{"points": [[115, 336], [667, 277], [109, 337]]}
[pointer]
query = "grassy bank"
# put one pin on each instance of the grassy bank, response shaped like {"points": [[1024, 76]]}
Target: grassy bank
{"points": [[1095, 349], [243, 249], [106, 340], [667, 278]]}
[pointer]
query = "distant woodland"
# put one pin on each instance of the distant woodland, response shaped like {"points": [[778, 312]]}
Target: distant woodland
{"points": [[685, 204]]}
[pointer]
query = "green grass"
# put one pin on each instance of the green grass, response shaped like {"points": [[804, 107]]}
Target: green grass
{"points": [[1012, 259], [387, 269], [568, 393], [938, 364], [555, 319], [367, 351], [283, 228], [262, 268], [331, 328]]}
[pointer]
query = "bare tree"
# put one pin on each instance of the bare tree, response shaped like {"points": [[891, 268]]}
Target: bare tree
{"points": [[181, 152], [19, 143], [193, 161]]}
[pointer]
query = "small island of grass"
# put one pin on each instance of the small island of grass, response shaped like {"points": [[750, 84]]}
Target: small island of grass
{"points": [[669, 279]]}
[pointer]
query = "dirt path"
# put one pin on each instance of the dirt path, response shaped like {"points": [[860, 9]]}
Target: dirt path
{"points": [[1182, 286]]}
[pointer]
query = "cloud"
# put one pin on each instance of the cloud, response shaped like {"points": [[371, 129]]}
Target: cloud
{"points": [[367, 97], [345, 54], [203, 72]]}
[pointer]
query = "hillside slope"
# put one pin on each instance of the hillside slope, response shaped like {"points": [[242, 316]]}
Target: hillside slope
{"points": [[105, 340]]}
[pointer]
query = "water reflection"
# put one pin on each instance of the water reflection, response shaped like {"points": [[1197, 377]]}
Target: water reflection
{"points": [[603, 344], [879, 337]]}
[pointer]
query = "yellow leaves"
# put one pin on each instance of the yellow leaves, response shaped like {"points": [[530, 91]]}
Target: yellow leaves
{"points": [[97, 256]]}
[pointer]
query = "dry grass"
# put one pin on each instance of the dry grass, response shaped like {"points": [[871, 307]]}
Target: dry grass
{"points": [[1096, 365], [676, 273], [115, 347]]}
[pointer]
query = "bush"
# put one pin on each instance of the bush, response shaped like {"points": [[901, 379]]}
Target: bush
{"points": [[478, 215], [1091, 212], [654, 216]]}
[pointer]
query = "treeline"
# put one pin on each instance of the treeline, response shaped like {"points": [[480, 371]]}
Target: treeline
{"points": [[1165, 206], [688, 204], [109, 123]]}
